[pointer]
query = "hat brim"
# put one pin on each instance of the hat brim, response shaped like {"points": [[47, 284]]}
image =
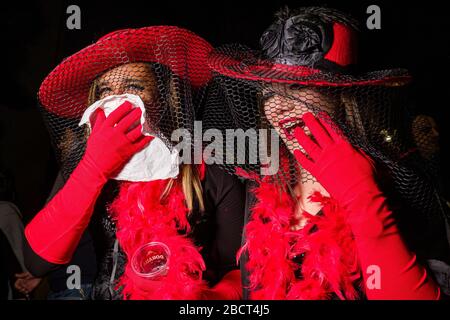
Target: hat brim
{"points": [[245, 64], [65, 90]]}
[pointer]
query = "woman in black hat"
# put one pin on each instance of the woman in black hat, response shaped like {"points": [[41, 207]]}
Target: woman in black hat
{"points": [[321, 227]]}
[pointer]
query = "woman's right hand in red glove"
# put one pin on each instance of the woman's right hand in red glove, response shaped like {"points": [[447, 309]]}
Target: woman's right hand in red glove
{"points": [[55, 231], [111, 143]]}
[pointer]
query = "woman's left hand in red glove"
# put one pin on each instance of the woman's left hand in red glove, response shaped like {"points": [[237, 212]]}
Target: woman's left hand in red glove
{"points": [[390, 270], [342, 170]]}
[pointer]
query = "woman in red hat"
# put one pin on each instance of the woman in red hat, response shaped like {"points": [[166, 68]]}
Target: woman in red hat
{"points": [[166, 230], [321, 227]]}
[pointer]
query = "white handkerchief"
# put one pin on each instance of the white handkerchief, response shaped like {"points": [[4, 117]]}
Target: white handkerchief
{"points": [[155, 161]]}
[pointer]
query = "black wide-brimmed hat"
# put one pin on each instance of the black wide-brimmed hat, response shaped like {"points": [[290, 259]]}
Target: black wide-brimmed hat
{"points": [[310, 46]]}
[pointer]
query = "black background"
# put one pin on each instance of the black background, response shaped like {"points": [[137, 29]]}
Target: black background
{"points": [[35, 39]]}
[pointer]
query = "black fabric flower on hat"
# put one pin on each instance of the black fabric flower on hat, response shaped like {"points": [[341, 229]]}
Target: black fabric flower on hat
{"points": [[297, 41], [300, 38]]}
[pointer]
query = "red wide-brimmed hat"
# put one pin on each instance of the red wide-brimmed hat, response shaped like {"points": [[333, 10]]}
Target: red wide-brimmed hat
{"points": [[314, 46], [64, 92]]}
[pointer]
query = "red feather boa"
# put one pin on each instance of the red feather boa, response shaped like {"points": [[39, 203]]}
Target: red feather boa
{"points": [[141, 217], [330, 264]]}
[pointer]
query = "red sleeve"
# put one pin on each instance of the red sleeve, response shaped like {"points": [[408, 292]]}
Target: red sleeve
{"points": [[390, 269], [55, 231]]}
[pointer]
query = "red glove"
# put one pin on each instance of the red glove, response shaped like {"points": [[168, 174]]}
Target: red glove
{"points": [[229, 288], [56, 230], [348, 175]]}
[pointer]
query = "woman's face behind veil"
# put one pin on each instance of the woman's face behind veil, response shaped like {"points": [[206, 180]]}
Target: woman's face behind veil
{"points": [[284, 106], [136, 78], [133, 78]]}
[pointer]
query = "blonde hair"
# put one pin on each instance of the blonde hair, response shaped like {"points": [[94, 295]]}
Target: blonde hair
{"points": [[189, 177]]}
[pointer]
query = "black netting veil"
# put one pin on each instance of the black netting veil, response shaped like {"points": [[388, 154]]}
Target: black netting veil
{"points": [[372, 111]]}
